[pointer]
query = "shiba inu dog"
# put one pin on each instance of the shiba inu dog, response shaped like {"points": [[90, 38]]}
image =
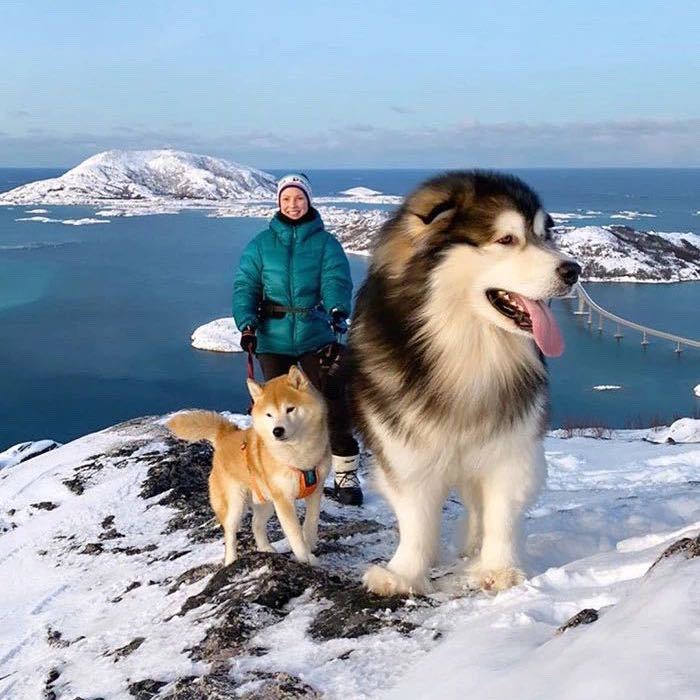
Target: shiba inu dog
{"points": [[448, 384], [284, 456]]}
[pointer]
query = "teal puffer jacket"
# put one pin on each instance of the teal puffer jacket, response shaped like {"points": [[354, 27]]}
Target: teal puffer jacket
{"points": [[300, 266]]}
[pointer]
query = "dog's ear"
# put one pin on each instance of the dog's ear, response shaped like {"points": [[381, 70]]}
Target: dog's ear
{"points": [[297, 378], [255, 389]]}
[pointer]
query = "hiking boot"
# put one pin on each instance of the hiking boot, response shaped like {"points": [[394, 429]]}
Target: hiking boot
{"points": [[346, 486]]}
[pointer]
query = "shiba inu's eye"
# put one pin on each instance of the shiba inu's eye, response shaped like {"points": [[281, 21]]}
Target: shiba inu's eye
{"points": [[506, 240], [269, 415], [290, 408]]}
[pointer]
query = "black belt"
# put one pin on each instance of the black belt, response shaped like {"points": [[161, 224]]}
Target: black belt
{"points": [[277, 310]]}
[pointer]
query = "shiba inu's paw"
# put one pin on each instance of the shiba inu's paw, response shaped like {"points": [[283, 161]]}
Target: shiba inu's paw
{"points": [[311, 542], [308, 558], [494, 579], [266, 548], [385, 582]]}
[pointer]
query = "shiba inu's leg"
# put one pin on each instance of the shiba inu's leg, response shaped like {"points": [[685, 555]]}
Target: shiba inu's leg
{"points": [[471, 535], [310, 528], [418, 509], [287, 514], [231, 522], [261, 514]]}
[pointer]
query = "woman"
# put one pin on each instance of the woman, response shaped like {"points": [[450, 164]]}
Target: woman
{"points": [[291, 297]]}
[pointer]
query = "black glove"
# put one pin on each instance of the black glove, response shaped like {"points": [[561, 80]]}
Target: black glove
{"points": [[249, 340], [339, 321]]}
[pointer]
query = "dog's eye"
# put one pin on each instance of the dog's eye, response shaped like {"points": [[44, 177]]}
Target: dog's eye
{"points": [[269, 415], [290, 409], [506, 240]]}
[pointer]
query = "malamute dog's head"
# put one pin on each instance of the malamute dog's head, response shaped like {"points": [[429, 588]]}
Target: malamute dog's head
{"points": [[287, 409], [478, 240]]}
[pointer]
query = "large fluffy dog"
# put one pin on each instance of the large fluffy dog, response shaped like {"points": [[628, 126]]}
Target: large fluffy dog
{"points": [[449, 387]]}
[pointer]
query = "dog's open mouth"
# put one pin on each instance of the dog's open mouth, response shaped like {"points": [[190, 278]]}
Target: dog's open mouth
{"points": [[510, 306], [530, 315]]}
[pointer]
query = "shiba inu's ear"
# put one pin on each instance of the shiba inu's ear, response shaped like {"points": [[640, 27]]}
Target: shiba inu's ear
{"points": [[255, 389], [297, 378]]}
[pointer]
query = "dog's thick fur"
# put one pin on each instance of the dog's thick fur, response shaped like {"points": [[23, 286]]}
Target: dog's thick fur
{"points": [[291, 407], [446, 391]]}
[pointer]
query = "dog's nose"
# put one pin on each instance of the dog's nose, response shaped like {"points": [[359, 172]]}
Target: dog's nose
{"points": [[278, 432], [569, 272]]}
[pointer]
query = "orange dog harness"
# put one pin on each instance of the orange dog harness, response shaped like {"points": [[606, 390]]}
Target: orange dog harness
{"points": [[308, 480]]}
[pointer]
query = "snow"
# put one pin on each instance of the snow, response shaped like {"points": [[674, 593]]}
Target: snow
{"points": [[610, 507], [360, 192], [684, 430], [24, 451], [70, 222], [696, 390], [607, 387], [220, 335], [37, 211], [632, 215], [146, 175]]}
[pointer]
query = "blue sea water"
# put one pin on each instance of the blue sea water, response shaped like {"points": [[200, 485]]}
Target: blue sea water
{"points": [[95, 320]]}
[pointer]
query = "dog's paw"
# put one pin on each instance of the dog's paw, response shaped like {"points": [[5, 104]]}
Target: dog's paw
{"points": [[385, 582], [494, 579], [266, 548], [307, 558]]}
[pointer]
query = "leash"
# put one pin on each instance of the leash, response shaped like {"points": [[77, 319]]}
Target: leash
{"points": [[251, 365]]}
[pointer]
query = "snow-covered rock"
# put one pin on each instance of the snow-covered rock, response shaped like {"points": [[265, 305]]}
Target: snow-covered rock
{"points": [[220, 335], [623, 254], [24, 451], [113, 586], [684, 430], [146, 175], [607, 387], [696, 391]]}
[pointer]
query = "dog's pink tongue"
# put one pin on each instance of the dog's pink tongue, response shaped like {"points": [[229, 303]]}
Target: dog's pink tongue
{"points": [[544, 327]]}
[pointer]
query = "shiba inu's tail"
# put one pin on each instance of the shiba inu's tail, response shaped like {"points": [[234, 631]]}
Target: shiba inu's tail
{"points": [[200, 425]]}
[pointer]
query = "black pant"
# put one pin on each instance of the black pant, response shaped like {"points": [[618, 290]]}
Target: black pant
{"points": [[333, 389]]}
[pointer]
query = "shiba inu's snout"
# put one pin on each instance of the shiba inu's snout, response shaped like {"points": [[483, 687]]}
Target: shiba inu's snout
{"points": [[286, 408]]}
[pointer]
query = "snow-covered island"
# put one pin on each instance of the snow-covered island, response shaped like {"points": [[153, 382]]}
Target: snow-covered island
{"points": [[113, 586], [147, 176]]}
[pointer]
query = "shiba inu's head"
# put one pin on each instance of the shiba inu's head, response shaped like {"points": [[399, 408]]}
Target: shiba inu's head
{"points": [[480, 241], [287, 409]]}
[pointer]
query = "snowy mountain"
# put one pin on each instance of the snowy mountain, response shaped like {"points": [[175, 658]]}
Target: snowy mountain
{"points": [[147, 175], [113, 586]]}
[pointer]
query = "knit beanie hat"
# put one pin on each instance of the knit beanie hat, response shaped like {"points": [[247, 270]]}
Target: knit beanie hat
{"points": [[294, 180]]}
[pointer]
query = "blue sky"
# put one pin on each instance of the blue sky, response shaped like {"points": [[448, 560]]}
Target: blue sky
{"points": [[354, 84]]}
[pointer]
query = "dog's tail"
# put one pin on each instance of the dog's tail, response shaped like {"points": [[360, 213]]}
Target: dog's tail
{"points": [[200, 425]]}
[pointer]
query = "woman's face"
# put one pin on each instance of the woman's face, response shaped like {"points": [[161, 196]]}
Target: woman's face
{"points": [[293, 203]]}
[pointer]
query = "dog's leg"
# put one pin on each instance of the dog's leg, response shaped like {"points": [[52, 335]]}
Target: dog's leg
{"points": [[261, 514], [418, 509], [471, 535], [507, 487], [310, 528], [287, 514], [232, 520]]}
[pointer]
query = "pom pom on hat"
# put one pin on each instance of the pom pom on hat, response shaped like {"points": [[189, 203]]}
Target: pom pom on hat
{"points": [[294, 180]]}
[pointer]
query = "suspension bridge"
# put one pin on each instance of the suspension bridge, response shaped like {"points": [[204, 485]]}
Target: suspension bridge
{"points": [[595, 314]]}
